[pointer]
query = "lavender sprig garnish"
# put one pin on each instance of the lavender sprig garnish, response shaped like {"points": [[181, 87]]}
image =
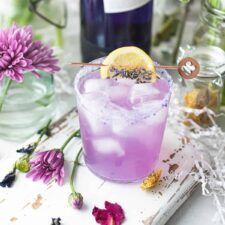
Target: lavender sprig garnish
{"points": [[23, 164], [141, 75], [75, 198]]}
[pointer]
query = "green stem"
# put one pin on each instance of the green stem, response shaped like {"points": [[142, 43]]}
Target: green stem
{"points": [[59, 37], [74, 134], [43, 132], [5, 91], [76, 163]]}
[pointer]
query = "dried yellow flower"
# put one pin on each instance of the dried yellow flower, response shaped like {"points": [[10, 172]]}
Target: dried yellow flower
{"points": [[199, 98], [151, 180]]}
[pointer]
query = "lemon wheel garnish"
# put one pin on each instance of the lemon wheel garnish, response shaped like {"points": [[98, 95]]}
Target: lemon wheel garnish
{"points": [[129, 59]]}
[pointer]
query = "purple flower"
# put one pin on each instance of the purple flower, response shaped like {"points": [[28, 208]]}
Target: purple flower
{"points": [[48, 165], [19, 54], [76, 200]]}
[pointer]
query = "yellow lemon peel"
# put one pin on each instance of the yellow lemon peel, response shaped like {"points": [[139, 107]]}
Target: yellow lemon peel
{"points": [[130, 59]]}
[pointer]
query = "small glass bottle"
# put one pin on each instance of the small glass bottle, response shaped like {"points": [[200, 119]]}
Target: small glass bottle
{"points": [[205, 90]]}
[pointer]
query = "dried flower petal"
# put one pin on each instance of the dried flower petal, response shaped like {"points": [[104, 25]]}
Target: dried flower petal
{"points": [[151, 180], [199, 98], [116, 210], [8, 179], [113, 214], [102, 216]]}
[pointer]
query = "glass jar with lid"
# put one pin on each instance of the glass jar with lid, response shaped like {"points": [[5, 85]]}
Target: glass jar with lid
{"points": [[204, 91], [211, 27]]}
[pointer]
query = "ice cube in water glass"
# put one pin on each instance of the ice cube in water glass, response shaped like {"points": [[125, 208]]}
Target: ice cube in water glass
{"points": [[96, 85], [141, 93], [108, 146], [119, 95]]}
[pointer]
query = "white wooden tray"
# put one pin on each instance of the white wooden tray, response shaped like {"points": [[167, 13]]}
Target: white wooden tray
{"points": [[19, 204]]}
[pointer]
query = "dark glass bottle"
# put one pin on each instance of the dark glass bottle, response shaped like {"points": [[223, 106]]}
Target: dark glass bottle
{"points": [[103, 30]]}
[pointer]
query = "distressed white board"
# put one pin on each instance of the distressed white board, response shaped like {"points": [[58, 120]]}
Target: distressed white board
{"points": [[141, 207]]}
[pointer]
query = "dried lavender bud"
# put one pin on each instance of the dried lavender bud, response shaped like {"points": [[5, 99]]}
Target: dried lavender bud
{"points": [[27, 149], [8, 179], [141, 75], [56, 221]]}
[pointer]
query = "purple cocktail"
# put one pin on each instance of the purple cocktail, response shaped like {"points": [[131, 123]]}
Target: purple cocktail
{"points": [[122, 123]]}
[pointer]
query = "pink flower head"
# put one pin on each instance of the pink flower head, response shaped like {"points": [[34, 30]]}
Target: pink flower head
{"points": [[19, 54], [48, 165], [112, 214]]}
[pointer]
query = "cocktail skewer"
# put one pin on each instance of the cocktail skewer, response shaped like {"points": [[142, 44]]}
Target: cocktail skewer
{"points": [[99, 64], [188, 68]]}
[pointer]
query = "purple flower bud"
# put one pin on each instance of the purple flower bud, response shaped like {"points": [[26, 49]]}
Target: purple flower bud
{"points": [[76, 200], [48, 165]]}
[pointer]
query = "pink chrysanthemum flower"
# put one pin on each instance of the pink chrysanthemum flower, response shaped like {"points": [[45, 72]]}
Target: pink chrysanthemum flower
{"points": [[19, 54], [48, 165]]}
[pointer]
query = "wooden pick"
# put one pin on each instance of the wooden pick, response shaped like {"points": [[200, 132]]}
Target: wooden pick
{"points": [[188, 68]]}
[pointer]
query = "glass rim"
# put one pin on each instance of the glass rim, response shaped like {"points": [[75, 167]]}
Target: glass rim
{"points": [[132, 113]]}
